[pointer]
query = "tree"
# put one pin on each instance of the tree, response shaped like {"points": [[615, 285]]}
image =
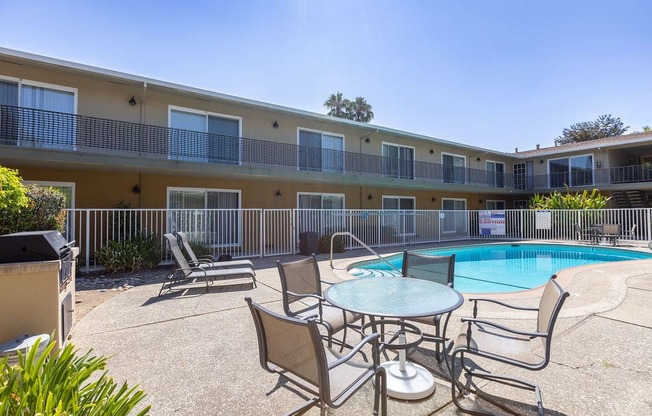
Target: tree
{"points": [[647, 129], [605, 126], [337, 105], [357, 110], [360, 110]]}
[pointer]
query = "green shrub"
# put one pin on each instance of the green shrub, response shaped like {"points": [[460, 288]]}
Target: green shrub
{"points": [[200, 249], [45, 210], [61, 386], [325, 244], [140, 252], [578, 200], [12, 191]]}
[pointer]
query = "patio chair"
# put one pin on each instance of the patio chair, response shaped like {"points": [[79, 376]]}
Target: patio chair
{"points": [[438, 269], [185, 272], [611, 232], [493, 341], [582, 234], [302, 298], [294, 349], [208, 260]]}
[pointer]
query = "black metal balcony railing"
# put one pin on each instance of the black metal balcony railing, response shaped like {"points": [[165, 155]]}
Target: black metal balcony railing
{"points": [[24, 127]]}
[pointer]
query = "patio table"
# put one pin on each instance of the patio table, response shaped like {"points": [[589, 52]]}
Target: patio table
{"points": [[398, 297]]}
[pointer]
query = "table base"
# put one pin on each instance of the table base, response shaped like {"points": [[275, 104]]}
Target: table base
{"points": [[415, 383]]}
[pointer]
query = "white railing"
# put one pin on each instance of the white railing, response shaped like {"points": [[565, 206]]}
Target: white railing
{"points": [[273, 232]]}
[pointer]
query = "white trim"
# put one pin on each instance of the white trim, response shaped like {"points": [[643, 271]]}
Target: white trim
{"points": [[322, 195], [399, 146], [321, 144], [465, 210], [453, 180], [569, 169]]}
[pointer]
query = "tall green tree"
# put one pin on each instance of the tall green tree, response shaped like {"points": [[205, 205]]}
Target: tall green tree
{"points": [[605, 126], [356, 110], [647, 129], [360, 110], [337, 105]]}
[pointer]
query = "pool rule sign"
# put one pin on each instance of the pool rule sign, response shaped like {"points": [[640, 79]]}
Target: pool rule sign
{"points": [[491, 222]]}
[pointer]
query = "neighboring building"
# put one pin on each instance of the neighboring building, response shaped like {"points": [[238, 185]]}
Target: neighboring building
{"points": [[108, 138]]}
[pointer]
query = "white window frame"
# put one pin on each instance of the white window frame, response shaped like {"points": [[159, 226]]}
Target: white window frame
{"points": [[570, 171], [394, 220], [454, 180], [313, 219], [322, 195], [494, 181], [493, 201], [321, 133], [206, 114], [399, 146], [75, 93], [170, 189], [465, 229]]}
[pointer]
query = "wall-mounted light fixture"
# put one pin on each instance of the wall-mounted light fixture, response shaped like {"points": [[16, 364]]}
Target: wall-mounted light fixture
{"points": [[132, 101], [136, 189], [278, 193], [433, 199], [541, 161], [367, 140], [275, 125], [481, 201], [478, 159], [432, 151], [370, 197]]}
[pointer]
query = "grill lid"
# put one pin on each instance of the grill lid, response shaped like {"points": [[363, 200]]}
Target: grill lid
{"points": [[32, 246]]}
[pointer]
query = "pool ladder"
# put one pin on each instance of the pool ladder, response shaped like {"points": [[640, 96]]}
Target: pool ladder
{"points": [[349, 234]]}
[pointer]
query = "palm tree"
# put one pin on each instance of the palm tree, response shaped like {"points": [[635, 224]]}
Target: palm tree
{"points": [[647, 129], [337, 105], [360, 110]]}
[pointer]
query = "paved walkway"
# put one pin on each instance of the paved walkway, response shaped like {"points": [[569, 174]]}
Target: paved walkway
{"points": [[197, 354]]}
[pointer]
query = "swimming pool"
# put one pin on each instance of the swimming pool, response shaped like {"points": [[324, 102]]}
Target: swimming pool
{"points": [[497, 268]]}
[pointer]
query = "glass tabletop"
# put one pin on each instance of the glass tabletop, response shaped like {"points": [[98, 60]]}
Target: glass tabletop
{"points": [[398, 297]]}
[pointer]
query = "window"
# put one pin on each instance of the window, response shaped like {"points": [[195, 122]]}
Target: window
{"points": [[454, 222], [208, 215], [321, 152], [398, 161], [523, 175], [571, 171], [204, 137], [495, 205], [495, 174], [403, 221], [47, 118], [317, 214], [453, 168], [520, 204]]}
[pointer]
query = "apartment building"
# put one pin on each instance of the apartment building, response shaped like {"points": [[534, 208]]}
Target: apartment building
{"points": [[108, 138]]}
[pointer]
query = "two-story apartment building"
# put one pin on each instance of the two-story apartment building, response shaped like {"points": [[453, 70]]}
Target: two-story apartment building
{"points": [[107, 137]]}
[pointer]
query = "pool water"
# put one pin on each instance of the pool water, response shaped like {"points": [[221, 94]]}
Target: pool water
{"points": [[497, 268]]}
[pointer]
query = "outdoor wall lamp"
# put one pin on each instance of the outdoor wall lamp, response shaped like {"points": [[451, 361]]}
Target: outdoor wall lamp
{"points": [[278, 193], [370, 197], [133, 100], [481, 201], [136, 189], [433, 199], [541, 161], [478, 159], [275, 125], [432, 151], [367, 140]]}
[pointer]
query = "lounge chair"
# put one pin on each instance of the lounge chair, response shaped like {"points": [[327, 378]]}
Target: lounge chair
{"points": [[294, 349], [493, 341], [208, 260], [302, 298], [185, 272], [437, 269]]}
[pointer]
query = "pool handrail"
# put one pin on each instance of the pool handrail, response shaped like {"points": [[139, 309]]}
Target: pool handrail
{"points": [[350, 234]]}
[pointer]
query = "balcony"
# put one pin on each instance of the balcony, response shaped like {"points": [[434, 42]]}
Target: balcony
{"points": [[28, 128]]}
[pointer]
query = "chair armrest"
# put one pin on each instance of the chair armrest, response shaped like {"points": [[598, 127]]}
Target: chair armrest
{"points": [[504, 328], [306, 295], [354, 351], [497, 302], [207, 258]]}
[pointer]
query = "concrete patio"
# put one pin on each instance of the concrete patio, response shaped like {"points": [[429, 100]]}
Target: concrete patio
{"points": [[196, 353]]}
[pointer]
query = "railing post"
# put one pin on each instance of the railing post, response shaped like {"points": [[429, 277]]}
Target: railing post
{"points": [[262, 234], [88, 239]]}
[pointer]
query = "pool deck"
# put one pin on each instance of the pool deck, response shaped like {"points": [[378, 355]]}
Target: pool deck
{"points": [[195, 353]]}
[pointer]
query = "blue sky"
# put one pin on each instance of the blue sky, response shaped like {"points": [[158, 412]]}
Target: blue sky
{"points": [[492, 73]]}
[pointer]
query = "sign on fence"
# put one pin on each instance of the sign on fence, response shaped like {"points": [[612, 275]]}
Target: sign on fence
{"points": [[543, 220], [491, 222]]}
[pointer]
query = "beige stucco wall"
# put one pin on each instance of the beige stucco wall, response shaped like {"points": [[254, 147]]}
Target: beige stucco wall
{"points": [[30, 301]]}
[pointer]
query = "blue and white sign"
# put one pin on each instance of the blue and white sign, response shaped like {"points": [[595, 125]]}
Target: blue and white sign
{"points": [[491, 222]]}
